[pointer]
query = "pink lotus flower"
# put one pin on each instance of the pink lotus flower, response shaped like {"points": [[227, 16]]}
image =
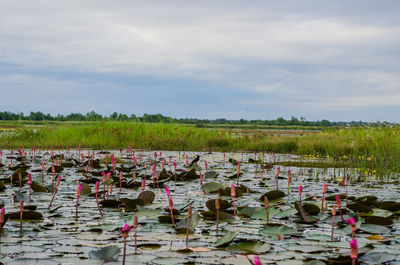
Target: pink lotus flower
{"points": [[167, 191], [125, 230], [257, 261]]}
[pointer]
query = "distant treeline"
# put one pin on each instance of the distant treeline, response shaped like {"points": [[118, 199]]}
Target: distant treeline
{"points": [[156, 118]]}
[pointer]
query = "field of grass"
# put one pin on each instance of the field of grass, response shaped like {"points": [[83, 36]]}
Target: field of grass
{"points": [[375, 148]]}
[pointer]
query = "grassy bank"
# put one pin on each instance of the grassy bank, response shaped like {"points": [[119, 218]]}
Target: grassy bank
{"points": [[374, 148]]}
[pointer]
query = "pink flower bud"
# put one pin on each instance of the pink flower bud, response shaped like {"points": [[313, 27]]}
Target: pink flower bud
{"points": [[338, 202], [167, 190], [354, 249], [257, 261], [120, 176], [233, 190], [78, 191], [29, 179], [324, 188], [97, 187], [143, 184]]}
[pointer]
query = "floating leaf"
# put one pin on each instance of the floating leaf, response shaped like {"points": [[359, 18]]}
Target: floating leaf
{"points": [[223, 205], [212, 174], [108, 253], [169, 261], [194, 221], [2, 186], [26, 215], [38, 188], [285, 213], [226, 239], [262, 213], [147, 196], [377, 258], [85, 189], [303, 214], [377, 220], [273, 195], [212, 187], [374, 229], [110, 203], [253, 247], [273, 230]]}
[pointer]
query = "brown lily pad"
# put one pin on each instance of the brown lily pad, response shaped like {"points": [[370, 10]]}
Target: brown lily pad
{"points": [[223, 205], [26, 215], [147, 196]]}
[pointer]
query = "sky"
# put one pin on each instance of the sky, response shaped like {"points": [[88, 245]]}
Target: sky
{"points": [[261, 59]]}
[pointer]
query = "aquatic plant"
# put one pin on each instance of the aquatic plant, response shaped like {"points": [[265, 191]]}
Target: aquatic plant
{"points": [[96, 192], [135, 225], [339, 205], [300, 190], [233, 194], [333, 220], [188, 224], [78, 194], [55, 192], [353, 251], [171, 209], [125, 232], [21, 211]]}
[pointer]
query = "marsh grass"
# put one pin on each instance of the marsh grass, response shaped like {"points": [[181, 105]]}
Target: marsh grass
{"points": [[367, 148]]}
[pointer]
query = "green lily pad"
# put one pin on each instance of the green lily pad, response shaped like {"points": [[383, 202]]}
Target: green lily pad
{"points": [[149, 213], [273, 230], [108, 253], [2, 186], [38, 188], [374, 229], [226, 239], [169, 261], [285, 213], [212, 187], [252, 247], [194, 221], [377, 258], [379, 212], [85, 189]]}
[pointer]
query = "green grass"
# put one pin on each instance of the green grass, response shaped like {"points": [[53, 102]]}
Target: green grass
{"points": [[368, 149]]}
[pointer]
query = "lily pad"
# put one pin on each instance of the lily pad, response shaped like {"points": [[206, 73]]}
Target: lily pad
{"points": [[374, 229], [26, 215], [226, 239], [274, 229], [38, 188], [2, 186], [194, 221], [250, 247], [273, 195], [222, 204], [212, 187], [108, 253], [147, 196]]}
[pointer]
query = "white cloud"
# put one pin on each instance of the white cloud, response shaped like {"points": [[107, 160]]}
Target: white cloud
{"points": [[305, 50]]}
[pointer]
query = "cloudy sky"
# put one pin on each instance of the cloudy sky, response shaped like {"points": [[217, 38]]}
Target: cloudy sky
{"points": [[335, 60]]}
